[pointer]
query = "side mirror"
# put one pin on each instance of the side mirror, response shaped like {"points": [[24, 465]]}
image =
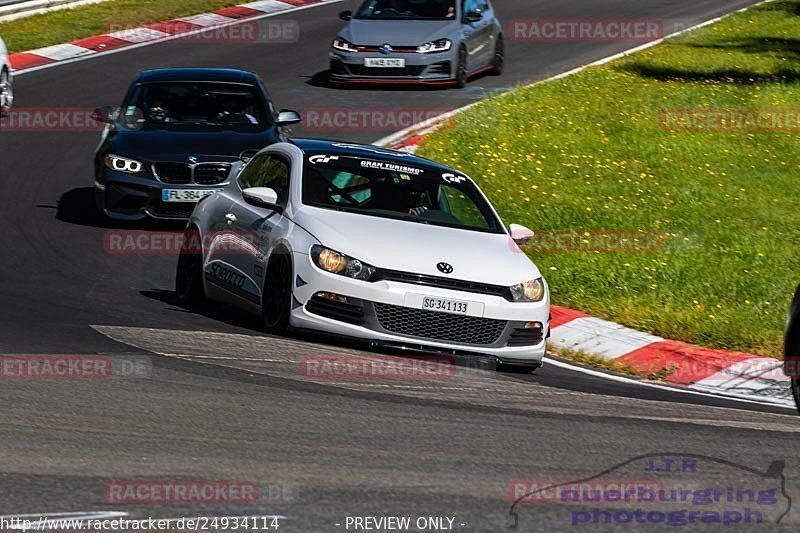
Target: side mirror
{"points": [[247, 155], [520, 234], [472, 16], [287, 117], [105, 114], [346, 15], [262, 197]]}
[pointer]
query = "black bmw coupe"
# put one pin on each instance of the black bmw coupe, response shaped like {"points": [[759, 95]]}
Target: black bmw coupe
{"points": [[178, 137]]}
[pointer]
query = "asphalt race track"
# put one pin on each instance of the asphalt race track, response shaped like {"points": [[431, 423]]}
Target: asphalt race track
{"points": [[210, 398]]}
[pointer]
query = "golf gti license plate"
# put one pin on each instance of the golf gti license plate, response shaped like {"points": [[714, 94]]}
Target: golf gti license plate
{"points": [[384, 62], [186, 195]]}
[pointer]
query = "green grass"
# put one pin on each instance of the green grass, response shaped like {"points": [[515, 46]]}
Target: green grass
{"points": [[589, 152], [70, 24]]}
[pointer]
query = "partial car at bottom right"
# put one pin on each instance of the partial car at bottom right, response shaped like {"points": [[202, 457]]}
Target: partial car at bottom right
{"points": [[791, 347]]}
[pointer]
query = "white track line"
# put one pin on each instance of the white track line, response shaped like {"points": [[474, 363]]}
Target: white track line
{"points": [[293, 9], [631, 381]]}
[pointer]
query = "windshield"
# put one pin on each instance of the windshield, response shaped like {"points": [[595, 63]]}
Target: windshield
{"points": [[209, 104], [408, 10], [392, 190]]}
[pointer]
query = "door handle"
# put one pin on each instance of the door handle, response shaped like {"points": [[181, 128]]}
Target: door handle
{"points": [[231, 218]]}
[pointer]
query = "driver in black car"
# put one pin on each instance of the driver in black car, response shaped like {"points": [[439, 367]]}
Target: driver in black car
{"points": [[156, 108]]}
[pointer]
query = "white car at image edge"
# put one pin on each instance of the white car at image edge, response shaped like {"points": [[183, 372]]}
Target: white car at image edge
{"points": [[6, 81], [372, 244]]}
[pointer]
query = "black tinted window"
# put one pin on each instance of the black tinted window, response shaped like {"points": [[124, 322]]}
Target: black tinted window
{"points": [[198, 104], [408, 9]]}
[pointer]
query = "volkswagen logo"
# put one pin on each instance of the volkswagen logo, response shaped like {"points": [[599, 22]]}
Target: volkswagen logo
{"points": [[445, 268], [385, 49]]}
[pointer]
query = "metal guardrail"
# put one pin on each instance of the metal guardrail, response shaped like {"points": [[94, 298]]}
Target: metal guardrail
{"points": [[9, 2]]}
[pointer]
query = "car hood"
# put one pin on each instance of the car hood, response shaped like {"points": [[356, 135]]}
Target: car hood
{"points": [[154, 145], [397, 32], [418, 248]]}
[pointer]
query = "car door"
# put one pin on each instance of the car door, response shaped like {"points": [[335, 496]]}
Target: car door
{"points": [[490, 30], [478, 37], [253, 229]]}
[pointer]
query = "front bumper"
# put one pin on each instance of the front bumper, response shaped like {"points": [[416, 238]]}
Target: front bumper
{"points": [[122, 196], [376, 312], [437, 68]]}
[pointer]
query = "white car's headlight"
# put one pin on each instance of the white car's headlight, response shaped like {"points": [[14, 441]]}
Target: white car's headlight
{"points": [[338, 263], [529, 291], [123, 164], [344, 45], [442, 45]]}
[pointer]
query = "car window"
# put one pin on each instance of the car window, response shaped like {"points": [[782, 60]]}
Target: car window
{"points": [[267, 171], [392, 190], [407, 10], [460, 207], [207, 104], [473, 5]]}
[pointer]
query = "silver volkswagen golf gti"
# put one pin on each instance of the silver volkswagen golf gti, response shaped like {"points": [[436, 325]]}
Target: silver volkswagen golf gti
{"points": [[418, 41]]}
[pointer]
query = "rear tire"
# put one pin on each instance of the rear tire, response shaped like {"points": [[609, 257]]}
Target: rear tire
{"points": [[461, 68], [189, 276], [499, 60], [276, 302]]}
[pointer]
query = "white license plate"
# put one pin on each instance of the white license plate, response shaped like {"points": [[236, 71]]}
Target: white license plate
{"points": [[443, 305], [186, 195], [384, 62]]}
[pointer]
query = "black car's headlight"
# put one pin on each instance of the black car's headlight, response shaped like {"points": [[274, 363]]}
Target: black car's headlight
{"points": [[529, 291], [343, 45], [441, 45], [338, 263], [123, 164]]}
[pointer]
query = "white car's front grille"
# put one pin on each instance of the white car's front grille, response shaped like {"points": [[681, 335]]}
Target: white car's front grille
{"points": [[439, 326]]}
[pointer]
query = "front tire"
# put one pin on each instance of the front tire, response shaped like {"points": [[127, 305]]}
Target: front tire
{"points": [[189, 276], [461, 68], [276, 302]]}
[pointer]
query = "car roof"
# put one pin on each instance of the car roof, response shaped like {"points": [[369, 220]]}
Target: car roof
{"points": [[197, 74], [318, 146]]}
